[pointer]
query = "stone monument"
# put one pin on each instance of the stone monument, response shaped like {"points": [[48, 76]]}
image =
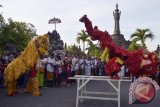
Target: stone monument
{"points": [[117, 37], [56, 44]]}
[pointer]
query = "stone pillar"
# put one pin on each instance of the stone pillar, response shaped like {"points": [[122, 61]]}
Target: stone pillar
{"points": [[116, 15]]}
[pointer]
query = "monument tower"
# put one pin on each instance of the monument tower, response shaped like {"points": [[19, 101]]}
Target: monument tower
{"points": [[117, 37], [116, 15]]}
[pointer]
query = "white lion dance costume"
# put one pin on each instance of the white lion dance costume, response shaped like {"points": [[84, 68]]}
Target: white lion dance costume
{"points": [[25, 62]]}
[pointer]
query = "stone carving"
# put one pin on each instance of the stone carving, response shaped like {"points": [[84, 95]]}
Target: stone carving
{"points": [[56, 44]]}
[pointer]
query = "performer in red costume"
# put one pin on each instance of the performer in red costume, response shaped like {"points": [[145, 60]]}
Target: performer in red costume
{"points": [[139, 62]]}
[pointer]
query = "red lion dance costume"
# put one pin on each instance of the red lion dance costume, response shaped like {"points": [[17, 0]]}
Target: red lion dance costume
{"points": [[139, 62]]}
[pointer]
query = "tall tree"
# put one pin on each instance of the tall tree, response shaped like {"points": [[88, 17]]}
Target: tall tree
{"points": [[16, 33], [2, 25], [82, 36], [141, 35], [65, 46]]}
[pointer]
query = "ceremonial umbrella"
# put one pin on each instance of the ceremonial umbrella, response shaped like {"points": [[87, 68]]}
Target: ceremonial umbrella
{"points": [[54, 21]]}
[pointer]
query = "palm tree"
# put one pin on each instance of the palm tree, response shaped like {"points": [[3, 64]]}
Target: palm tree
{"points": [[93, 49], [82, 36], [134, 45], [141, 35]]}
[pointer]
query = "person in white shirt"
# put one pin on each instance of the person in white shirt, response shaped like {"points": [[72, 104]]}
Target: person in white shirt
{"points": [[88, 67], [50, 61], [73, 66], [122, 71], [82, 66], [58, 70]]}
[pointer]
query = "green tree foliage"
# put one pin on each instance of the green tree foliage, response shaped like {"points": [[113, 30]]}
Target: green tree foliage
{"points": [[93, 49], [134, 45], [141, 35], [16, 33], [65, 46], [82, 36], [74, 50]]}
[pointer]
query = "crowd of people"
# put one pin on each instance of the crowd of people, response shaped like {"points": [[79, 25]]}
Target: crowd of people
{"points": [[57, 69], [53, 70]]}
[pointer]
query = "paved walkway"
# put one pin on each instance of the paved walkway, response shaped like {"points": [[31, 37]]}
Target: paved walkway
{"points": [[66, 97]]}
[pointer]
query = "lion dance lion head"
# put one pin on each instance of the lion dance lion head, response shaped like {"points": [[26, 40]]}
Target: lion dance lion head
{"points": [[41, 42]]}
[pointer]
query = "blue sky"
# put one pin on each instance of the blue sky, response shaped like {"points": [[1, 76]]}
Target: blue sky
{"points": [[134, 14]]}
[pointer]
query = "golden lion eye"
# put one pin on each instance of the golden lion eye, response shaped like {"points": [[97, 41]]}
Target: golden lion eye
{"points": [[44, 41]]}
